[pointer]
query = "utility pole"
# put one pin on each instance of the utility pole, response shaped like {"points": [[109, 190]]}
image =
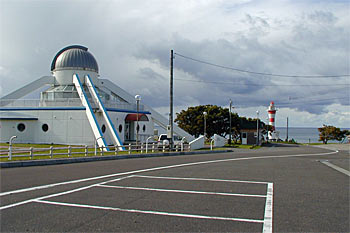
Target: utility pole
{"points": [[138, 99], [229, 140], [257, 128], [287, 130], [205, 124], [171, 99]]}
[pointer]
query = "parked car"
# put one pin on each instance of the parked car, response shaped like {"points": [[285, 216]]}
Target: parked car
{"points": [[164, 140]]}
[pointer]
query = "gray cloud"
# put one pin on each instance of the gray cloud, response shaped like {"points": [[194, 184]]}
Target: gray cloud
{"points": [[131, 41]]}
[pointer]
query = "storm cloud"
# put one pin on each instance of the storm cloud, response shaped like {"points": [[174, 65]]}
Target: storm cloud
{"points": [[131, 41]]}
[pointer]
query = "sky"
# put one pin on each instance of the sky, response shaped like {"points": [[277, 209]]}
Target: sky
{"points": [[131, 41]]}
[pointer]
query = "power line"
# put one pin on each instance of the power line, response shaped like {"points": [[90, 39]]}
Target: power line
{"points": [[281, 104], [261, 73], [308, 102], [318, 93], [269, 85]]}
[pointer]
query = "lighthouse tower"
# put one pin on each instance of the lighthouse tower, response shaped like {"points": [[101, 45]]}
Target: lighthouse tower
{"points": [[272, 135]]}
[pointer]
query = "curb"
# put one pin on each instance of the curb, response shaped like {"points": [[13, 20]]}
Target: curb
{"points": [[104, 158]]}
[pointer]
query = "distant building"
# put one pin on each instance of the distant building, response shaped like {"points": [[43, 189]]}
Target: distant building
{"points": [[249, 136], [77, 107]]}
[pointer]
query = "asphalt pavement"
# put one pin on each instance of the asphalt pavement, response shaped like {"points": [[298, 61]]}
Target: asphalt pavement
{"points": [[273, 189]]}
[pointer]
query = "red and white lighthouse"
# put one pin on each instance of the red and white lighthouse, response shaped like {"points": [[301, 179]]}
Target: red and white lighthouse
{"points": [[272, 135], [272, 112]]}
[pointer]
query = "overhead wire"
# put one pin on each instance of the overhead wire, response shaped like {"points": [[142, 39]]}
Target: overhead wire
{"points": [[282, 104], [262, 73], [314, 100], [251, 84]]}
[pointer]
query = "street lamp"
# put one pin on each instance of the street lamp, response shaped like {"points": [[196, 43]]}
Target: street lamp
{"points": [[257, 128], [205, 124], [138, 99], [267, 129]]}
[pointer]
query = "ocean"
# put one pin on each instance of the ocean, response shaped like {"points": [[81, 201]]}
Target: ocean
{"points": [[301, 135]]}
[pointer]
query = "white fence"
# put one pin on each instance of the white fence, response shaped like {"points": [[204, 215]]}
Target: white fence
{"points": [[80, 151]]}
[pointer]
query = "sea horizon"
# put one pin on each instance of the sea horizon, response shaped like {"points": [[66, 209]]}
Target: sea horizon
{"points": [[302, 134]]}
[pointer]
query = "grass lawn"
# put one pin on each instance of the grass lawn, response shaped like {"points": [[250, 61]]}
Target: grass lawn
{"points": [[240, 146], [59, 151]]}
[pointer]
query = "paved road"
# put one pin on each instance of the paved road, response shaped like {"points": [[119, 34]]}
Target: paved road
{"points": [[288, 188]]}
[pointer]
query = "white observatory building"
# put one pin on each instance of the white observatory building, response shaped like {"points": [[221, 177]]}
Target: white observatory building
{"points": [[77, 107]]}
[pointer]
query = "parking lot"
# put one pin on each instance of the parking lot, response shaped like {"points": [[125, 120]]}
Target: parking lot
{"points": [[268, 190]]}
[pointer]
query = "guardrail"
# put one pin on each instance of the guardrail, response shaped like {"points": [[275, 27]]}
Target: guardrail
{"points": [[80, 151]]}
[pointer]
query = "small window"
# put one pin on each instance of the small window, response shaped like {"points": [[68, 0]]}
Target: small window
{"points": [[21, 127], [138, 128], [244, 135], [144, 128], [45, 127], [120, 128], [103, 128]]}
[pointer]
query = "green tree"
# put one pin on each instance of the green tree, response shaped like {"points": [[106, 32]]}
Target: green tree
{"points": [[328, 132], [217, 121]]}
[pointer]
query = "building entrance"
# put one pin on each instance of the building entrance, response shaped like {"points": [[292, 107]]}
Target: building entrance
{"points": [[129, 131]]}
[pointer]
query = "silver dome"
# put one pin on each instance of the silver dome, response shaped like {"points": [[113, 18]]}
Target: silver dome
{"points": [[74, 57]]}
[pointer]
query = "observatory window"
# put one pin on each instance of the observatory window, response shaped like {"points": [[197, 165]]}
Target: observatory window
{"points": [[144, 128], [45, 127], [120, 128], [21, 127], [103, 128]]}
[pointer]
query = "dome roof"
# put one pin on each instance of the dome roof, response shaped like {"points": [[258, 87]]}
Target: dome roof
{"points": [[74, 57]]}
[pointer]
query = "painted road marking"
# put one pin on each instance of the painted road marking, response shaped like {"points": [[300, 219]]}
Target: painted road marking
{"points": [[201, 179], [182, 191], [339, 169], [267, 221], [57, 194], [268, 214], [158, 168], [151, 212], [268, 209]]}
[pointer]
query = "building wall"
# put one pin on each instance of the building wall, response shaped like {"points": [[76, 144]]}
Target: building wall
{"points": [[250, 137], [66, 127]]}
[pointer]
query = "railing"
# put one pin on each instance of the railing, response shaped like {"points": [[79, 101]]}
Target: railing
{"points": [[66, 102], [83, 151], [63, 102]]}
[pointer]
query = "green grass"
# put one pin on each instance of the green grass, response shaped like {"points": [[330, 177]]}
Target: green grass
{"points": [[34, 145], [240, 146], [318, 143], [78, 152]]}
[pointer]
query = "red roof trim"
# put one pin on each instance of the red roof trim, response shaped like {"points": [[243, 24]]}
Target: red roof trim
{"points": [[133, 117]]}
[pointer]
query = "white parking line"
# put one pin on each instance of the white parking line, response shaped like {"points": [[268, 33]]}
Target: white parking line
{"points": [[156, 169], [151, 212], [268, 209], [267, 222], [201, 179], [339, 169], [182, 191], [56, 194]]}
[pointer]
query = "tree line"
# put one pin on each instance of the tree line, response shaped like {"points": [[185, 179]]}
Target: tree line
{"points": [[329, 132], [217, 121]]}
